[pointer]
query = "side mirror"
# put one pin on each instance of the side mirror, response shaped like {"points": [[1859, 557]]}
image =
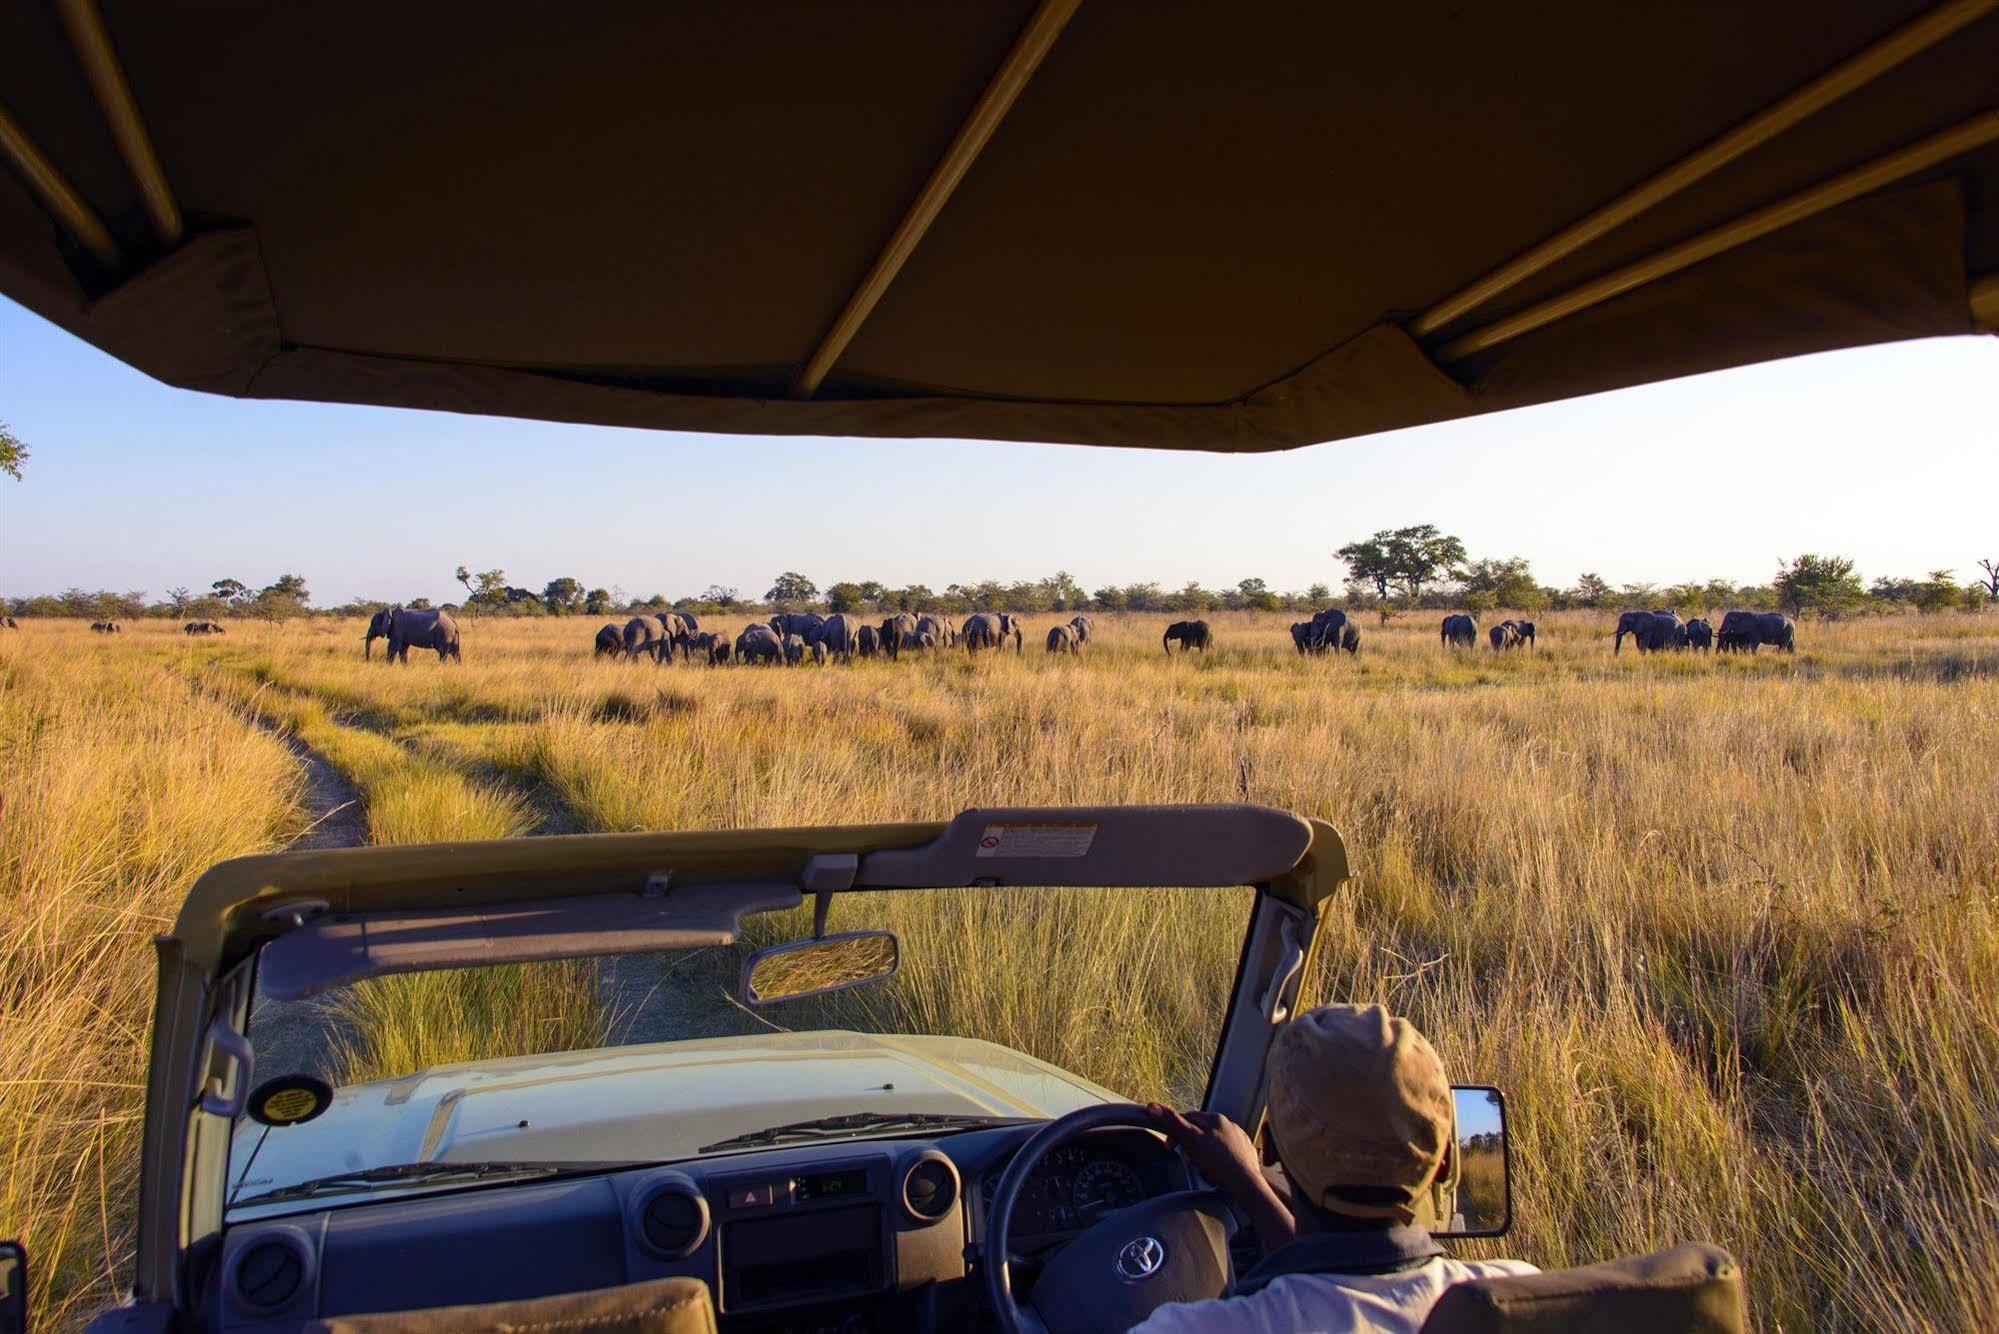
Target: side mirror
{"points": [[13, 1288], [1483, 1197], [818, 966]]}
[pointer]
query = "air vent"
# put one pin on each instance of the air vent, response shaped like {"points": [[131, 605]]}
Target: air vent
{"points": [[270, 1272], [670, 1216], [930, 1188]]}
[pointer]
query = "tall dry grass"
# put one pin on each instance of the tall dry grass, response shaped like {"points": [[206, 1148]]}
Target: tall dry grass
{"points": [[1723, 928], [117, 788]]}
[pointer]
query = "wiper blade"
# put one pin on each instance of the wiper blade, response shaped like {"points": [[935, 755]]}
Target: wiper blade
{"points": [[838, 1127], [409, 1174]]}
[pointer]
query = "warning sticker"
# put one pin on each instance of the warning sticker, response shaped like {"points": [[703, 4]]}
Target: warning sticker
{"points": [[1070, 839]]}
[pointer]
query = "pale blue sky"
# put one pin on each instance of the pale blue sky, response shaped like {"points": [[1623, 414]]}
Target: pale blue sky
{"points": [[1884, 454]]}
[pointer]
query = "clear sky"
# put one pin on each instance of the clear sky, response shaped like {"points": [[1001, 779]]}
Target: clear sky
{"points": [[1888, 455]]}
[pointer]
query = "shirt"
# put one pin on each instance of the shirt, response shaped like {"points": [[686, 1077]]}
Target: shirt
{"points": [[1302, 1289]]}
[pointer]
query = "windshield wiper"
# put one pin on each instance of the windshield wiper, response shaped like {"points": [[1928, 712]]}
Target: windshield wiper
{"points": [[415, 1174], [854, 1123]]}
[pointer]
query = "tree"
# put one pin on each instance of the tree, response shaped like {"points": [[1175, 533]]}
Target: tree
{"points": [[1591, 590], [464, 576], [230, 590], [290, 586], [12, 452], [1939, 592], [281, 600], [722, 596], [1825, 585], [1991, 569], [1717, 593], [1490, 583], [1404, 558], [178, 601], [562, 596], [485, 591], [597, 602], [1318, 595], [845, 596], [791, 587], [1256, 595]]}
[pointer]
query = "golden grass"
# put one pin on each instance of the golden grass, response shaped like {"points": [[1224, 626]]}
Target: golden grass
{"points": [[1723, 928], [117, 788]]}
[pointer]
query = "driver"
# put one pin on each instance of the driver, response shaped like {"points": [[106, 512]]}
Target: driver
{"points": [[1361, 1118]]}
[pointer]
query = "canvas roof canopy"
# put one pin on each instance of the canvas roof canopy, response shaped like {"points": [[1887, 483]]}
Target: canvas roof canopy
{"points": [[1231, 226]]}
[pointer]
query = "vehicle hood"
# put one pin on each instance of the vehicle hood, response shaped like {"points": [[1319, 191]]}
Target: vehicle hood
{"points": [[654, 1102]]}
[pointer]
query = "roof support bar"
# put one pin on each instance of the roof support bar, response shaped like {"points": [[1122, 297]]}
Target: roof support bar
{"points": [[1985, 304], [1906, 41], [1050, 17], [114, 97], [57, 195], [1904, 162]]}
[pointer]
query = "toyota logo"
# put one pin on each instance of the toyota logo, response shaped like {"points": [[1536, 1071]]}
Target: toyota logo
{"points": [[1141, 1258]]}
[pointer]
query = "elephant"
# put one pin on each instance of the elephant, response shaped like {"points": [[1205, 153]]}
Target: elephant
{"points": [[1503, 636], [987, 629], [405, 630], [794, 650], [106, 627], [610, 641], [1752, 629], [1327, 627], [1084, 627], [691, 621], [1064, 639], [1700, 635], [1525, 630], [941, 626], [1350, 639], [759, 643], [644, 634], [804, 624], [1459, 631], [816, 650], [202, 628], [840, 634], [867, 641], [895, 630], [920, 642], [1303, 639], [1652, 631], [1189, 635], [710, 645], [7, 623]]}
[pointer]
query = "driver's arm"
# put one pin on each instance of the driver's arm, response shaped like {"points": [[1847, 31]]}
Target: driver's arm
{"points": [[1226, 1158]]}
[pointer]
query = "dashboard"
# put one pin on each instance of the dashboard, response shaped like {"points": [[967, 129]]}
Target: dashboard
{"points": [[888, 1231], [1080, 1184]]}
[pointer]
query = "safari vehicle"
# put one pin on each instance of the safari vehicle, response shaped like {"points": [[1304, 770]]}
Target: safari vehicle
{"points": [[800, 1174], [1234, 227]]}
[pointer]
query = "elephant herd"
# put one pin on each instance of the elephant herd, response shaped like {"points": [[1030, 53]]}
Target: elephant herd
{"points": [[793, 638], [1327, 630], [203, 628], [1740, 632], [106, 628]]}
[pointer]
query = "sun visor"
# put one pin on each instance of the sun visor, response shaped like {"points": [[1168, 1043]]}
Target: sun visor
{"points": [[1202, 846], [335, 951]]}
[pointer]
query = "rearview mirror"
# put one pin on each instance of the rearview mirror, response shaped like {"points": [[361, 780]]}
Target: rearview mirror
{"points": [[1483, 1203], [814, 967]]}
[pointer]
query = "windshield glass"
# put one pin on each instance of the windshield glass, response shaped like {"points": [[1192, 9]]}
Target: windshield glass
{"points": [[1007, 1004]]}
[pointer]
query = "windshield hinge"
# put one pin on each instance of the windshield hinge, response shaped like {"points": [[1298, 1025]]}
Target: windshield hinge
{"points": [[826, 873]]}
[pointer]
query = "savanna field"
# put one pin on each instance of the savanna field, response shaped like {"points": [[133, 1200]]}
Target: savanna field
{"points": [[1726, 929]]}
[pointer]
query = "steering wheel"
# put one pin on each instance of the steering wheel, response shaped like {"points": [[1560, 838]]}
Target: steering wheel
{"points": [[1171, 1248]]}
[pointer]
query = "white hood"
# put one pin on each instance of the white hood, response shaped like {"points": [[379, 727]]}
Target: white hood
{"points": [[648, 1103]]}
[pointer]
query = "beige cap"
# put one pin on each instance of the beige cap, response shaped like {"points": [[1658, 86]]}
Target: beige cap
{"points": [[1359, 1102]]}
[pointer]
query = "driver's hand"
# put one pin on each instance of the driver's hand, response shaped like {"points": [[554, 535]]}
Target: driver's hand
{"points": [[1217, 1146], [1224, 1155]]}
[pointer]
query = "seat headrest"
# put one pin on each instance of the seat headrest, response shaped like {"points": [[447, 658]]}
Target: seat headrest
{"points": [[1690, 1289], [662, 1306]]}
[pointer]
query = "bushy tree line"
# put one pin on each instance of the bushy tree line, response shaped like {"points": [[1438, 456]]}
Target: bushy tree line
{"points": [[1395, 570]]}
